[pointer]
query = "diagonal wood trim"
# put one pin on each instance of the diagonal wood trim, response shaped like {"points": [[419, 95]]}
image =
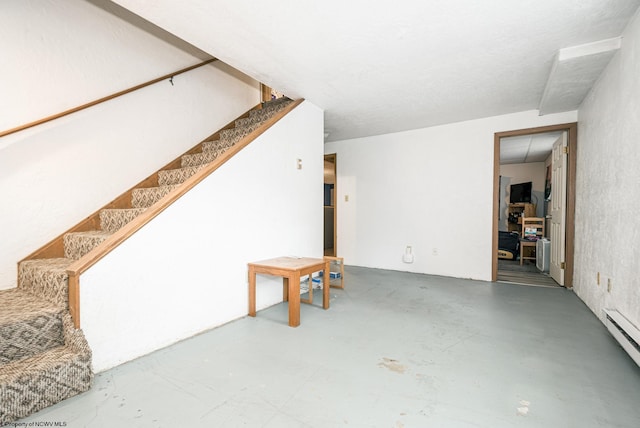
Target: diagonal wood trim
{"points": [[101, 100], [74, 299], [81, 265]]}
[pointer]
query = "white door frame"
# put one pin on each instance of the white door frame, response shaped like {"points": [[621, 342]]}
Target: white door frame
{"points": [[572, 130]]}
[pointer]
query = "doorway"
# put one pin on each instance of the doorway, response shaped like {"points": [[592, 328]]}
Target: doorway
{"points": [[571, 135], [330, 215]]}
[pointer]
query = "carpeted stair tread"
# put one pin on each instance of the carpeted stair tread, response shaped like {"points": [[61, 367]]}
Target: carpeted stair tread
{"points": [[248, 121], [111, 220], [31, 384], [176, 176], [77, 244], [269, 109], [145, 197], [28, 325], [234, 134], [230, 138], [200, 159], [46, 278], [219, 146], [263, 113]]}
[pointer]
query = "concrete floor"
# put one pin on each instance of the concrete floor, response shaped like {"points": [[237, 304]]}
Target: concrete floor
{"points": [[394, 350]]}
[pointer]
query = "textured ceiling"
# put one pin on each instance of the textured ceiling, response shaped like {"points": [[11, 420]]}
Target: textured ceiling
{"points": [[527, 148], [387, 66]]}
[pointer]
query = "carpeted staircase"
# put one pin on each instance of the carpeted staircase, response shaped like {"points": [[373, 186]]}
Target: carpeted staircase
{"points": [[44, 359]]}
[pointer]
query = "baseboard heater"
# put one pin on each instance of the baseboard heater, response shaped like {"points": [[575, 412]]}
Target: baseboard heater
{"points": [[624, 332]]}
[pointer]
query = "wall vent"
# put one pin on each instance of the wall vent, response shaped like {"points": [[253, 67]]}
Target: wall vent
{"points": [[624, 332]]}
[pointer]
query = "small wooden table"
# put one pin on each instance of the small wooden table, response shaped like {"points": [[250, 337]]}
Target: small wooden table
{"points": [[290, 269]]}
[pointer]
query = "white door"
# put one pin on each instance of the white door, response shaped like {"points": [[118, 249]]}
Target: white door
{"points": [[558, 208]]}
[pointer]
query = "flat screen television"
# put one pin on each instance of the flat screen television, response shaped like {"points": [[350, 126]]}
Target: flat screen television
{"points": [[520, 192]]}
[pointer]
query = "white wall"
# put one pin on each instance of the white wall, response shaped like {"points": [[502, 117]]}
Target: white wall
{"points": [[186, 271], [61, 53], [429, 188], [607, 193]]}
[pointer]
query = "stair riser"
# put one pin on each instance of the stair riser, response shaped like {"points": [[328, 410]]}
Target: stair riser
{"points": [[144, 198], [176, 176], [225, 141], [28, 326], [46, 278], [34, 383], [76, 246], [248, 121], [112, 220], [231, 140], [239, 131], [199, 158], [216, 146], [23, 395], [30, 338]]}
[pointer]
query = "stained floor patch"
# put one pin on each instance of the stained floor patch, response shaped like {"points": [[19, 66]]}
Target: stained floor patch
{"points": [[393, 365]]}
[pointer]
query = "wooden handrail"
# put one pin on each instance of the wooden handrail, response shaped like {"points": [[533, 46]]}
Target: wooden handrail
{"points": [[92, 257], [101, 100]]}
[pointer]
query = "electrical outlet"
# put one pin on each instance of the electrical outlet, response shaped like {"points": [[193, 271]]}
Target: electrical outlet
{"points": [[608, 285], [434, 251], [598, 278]]}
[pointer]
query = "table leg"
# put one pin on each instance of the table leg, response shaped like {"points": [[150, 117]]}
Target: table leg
{"points": [[294, 299], [252, 292], [326, 285], [285, 289]]}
